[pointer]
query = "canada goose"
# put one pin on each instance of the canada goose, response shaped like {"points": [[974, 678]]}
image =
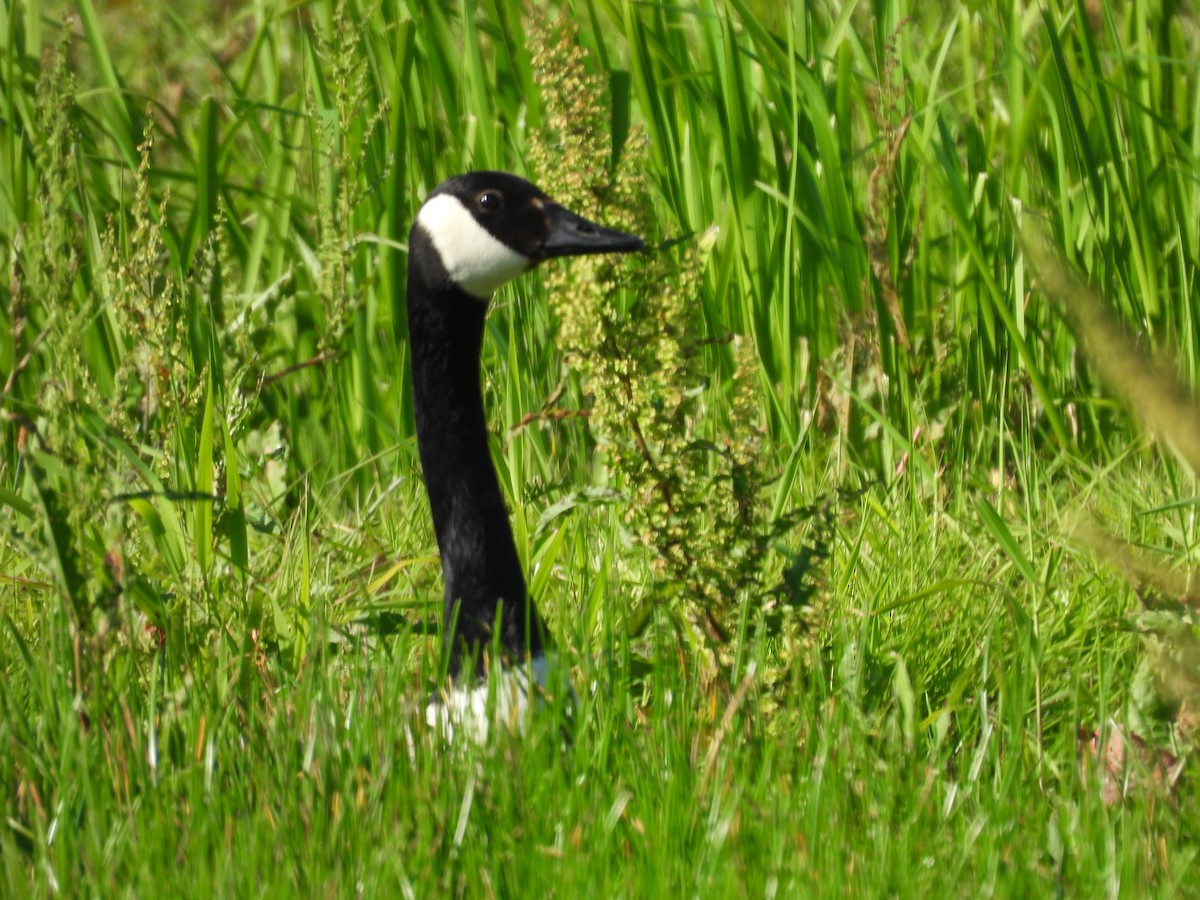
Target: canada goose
{"points": [[474, 233]]}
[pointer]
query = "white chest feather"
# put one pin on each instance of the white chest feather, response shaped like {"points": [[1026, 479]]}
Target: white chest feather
{"points": [[470, 710], [475, 260]]}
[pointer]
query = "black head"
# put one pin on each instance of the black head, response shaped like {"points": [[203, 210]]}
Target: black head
{"points": [[489, 227]]}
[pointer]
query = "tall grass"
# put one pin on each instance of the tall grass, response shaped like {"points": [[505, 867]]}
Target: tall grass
{"points": [[218, 582]]}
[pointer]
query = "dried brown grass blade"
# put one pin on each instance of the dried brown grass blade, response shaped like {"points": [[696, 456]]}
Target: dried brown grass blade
{"points": [[1149, 387]]}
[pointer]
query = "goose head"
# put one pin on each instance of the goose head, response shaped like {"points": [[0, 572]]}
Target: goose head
{"points": [[487, 228]]}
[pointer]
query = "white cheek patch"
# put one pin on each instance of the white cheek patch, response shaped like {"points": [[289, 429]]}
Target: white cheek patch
{"points": [[475, 261]]}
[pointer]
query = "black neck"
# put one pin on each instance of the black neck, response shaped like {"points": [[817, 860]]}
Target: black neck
{"points": [[479, 558]]}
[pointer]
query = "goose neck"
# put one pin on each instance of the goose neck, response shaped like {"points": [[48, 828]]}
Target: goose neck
{"points": [[480, 565]]}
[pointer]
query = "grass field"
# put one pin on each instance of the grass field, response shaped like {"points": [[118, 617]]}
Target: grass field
{"points": [[868, 645]]}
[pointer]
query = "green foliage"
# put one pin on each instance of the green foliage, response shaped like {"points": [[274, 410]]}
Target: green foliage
{"points": [[688, 478], [217, 573], [1167, 685]]}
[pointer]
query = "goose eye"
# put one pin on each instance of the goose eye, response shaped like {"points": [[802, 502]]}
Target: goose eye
{"points": [[489, 201]]}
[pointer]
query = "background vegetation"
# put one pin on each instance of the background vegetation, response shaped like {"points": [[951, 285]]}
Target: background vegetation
{"points": [[861, 655]]}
